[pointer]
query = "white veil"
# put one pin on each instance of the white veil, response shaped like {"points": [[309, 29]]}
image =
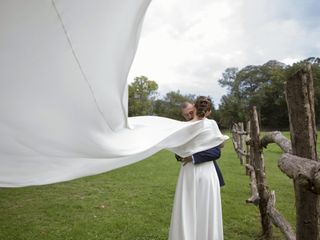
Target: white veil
{"points": [[63, 93]]}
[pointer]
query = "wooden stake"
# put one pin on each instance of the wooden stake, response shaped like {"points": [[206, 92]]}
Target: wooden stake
{"points": [[300, 100]]}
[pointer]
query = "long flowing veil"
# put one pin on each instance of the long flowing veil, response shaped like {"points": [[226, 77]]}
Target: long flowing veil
{"points": [[63, 92]]}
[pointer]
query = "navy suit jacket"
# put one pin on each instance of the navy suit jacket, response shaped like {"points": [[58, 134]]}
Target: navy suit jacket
{"points": [[211, 154]]}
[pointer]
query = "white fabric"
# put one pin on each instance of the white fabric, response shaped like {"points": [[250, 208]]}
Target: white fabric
{"points": [[197, 213], [63, 93]]}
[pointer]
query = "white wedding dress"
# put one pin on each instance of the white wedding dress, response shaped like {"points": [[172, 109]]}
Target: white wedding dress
{"points": [[197, 213]]}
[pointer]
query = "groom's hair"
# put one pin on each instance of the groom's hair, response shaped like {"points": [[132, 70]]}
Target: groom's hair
{"points": [[185, 105], [203, 105]]}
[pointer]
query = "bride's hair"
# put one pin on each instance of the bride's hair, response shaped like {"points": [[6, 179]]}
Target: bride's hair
{"points": [[203, 105]]}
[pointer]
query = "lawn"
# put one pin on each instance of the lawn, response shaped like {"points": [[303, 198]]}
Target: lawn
{"points": [[134, 203]]}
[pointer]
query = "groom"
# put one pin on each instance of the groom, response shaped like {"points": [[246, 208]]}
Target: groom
{"points": [[211, 154]]}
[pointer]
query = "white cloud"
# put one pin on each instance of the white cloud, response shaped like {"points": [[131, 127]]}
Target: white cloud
{"points": [[186, 45]]}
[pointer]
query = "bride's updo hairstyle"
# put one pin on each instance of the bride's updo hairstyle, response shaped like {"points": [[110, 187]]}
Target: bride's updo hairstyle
{"points": [[203, 105]]}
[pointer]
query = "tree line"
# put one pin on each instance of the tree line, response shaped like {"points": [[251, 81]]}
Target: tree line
{"points": [[259, 85]]}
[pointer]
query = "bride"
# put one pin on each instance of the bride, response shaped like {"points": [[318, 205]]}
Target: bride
{"points": [[197, 213]]}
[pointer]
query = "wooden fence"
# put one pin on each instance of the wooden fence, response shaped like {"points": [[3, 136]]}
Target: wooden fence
{"points": [[299, 161]]}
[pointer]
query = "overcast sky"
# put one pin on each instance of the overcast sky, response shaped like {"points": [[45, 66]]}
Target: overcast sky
{"points": [[187, 44]]}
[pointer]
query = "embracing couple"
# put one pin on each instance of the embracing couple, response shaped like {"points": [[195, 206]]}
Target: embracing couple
{"points": [[197, 213]]}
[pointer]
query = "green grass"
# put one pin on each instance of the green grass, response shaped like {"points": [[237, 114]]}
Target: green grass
{"points": [[134, 203]]}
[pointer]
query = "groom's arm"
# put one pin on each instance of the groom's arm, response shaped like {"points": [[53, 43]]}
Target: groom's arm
{"points": [[178, 157], [204, 156], [207, 155]]}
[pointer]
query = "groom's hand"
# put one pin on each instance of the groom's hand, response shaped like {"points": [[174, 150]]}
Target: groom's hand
{"points": [[186, 160], [221, 145]]}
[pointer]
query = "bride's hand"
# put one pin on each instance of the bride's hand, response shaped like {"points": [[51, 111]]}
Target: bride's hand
{"points": [[186, 160]]}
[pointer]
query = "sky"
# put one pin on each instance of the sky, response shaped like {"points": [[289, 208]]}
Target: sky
{"points": [[186, 45]]}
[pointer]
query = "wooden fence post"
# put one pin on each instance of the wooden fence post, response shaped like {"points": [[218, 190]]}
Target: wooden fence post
{"points": [[258, 164], [242, 142], [300, 100], [248, 146]]}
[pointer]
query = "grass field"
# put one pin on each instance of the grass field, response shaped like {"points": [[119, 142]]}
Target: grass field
{"points": [[134, 203]]}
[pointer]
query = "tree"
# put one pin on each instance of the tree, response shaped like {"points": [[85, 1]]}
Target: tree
{"points": [[273, 107], [261, 86], [142, 93], [170, 105], [228, 78], [230, 111]]}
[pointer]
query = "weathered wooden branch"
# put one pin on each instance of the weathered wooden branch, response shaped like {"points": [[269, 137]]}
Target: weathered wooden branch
{"points": [[278, 220], [236, 140], [242, 152], [279, 139], [258, 165], [236, 148], [247, 145], [235, 144], [253, 186], [305, 171], [239, 150], [241, 132], [300, 101]]}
